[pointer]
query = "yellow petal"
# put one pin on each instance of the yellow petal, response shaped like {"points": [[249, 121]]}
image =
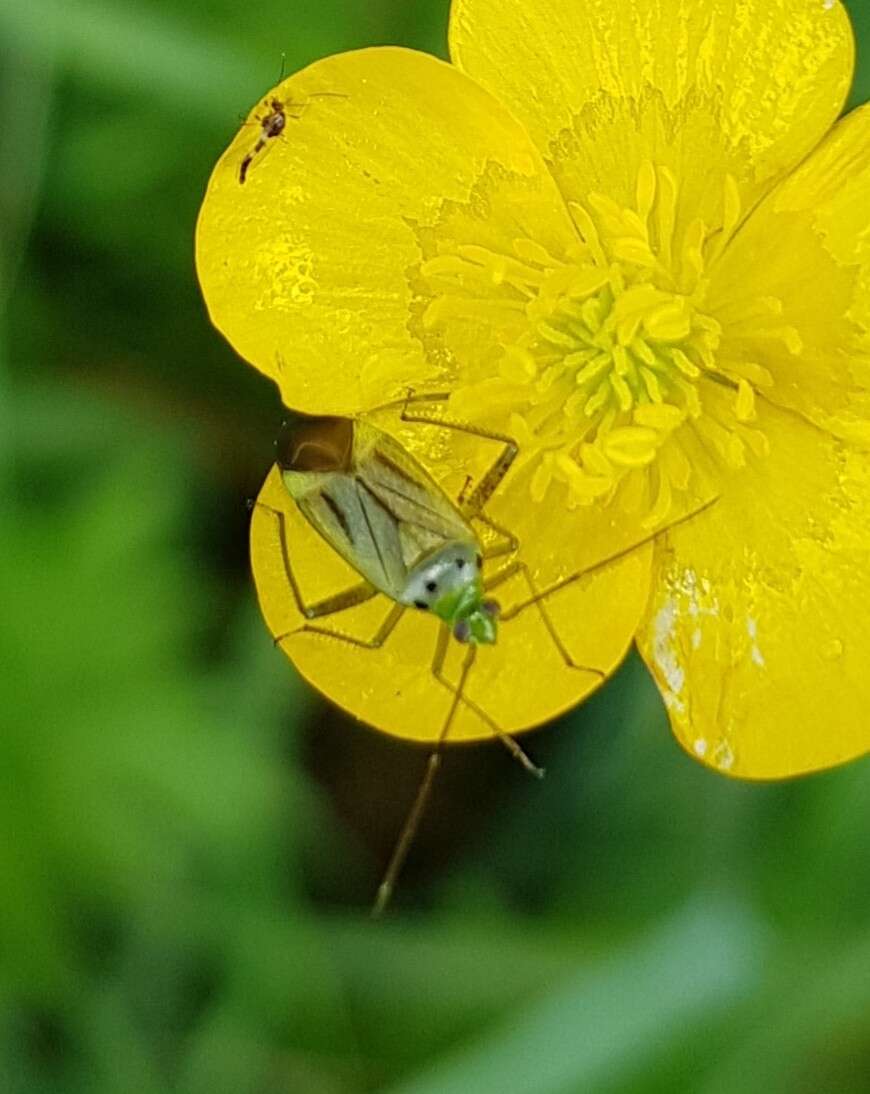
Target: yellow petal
{"points": [[757, 629], [793, 288], [518, 683], [306, 267], [702, 87]]}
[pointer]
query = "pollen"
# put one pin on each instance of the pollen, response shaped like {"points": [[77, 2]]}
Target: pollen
{"points": [[608, 358]]}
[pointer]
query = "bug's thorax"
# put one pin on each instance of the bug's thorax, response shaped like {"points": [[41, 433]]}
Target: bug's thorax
{"points": [[448, 583]]}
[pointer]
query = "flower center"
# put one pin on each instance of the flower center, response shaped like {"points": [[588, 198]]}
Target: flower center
{"points": [[606, 359]]}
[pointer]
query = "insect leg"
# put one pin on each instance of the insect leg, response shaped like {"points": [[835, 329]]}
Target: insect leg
{"points": [[321, 95], [537, 598], [424, 791], [508, 546], [469, 504], [347, 598], [491, 479], [603, 563], [298, 109], [381, 635], [515, 749]]}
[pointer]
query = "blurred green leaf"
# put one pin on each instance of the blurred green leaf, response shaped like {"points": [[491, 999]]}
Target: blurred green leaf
{"points": [[859, 13], [601, 1023], [187, 836]]}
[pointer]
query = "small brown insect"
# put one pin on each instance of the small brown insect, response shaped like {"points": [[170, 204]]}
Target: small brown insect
{"points": [[272, 124]]}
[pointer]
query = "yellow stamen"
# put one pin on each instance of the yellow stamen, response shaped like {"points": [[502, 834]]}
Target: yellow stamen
{"points": [[744, 406], [612, 360]]}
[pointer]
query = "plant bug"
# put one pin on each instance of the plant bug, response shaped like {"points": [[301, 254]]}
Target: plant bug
{"points": [[349, 484]]}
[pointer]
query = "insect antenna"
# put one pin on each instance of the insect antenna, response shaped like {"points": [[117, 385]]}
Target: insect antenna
{"points": [[421, 800]]}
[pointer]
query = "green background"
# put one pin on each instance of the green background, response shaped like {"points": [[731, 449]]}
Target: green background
{"points": [[189, 839]]}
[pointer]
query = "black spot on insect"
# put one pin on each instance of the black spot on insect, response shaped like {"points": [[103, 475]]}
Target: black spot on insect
{"points": [[339, 514], [431, 586], [421, 604], [460, 562], [479, 560]]}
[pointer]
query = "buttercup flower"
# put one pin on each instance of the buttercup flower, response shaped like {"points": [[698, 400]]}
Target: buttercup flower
{"points": [[632, 235]]}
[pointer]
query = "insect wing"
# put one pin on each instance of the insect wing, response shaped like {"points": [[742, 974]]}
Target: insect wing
{"points": [[359, 526], [426, 517], [384, 513]]}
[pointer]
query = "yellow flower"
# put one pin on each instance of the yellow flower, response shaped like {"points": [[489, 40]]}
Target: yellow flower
{"points": [[621, 230]]}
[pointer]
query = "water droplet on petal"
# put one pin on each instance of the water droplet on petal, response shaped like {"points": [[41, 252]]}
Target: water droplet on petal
{"points": [[832, 650], [723, 756]]}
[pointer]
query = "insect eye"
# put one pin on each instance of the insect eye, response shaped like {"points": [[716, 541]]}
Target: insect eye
{"points": [[421, 604], [462, 630], [460, 562], [431, 586]]}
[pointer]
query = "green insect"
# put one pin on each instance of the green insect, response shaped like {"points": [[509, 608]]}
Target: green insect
{"points": [[382, 512]]}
